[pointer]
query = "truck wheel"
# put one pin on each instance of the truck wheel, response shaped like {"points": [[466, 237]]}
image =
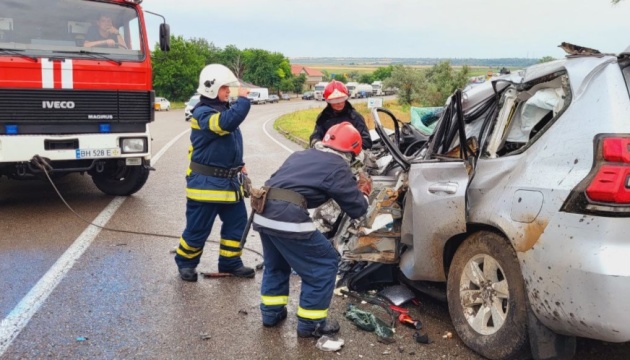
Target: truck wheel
{"points": [[486, 297], [119, 179]]}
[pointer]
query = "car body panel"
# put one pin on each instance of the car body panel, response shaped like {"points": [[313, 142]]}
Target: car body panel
{"points": [[438, 192], [190, 104]]}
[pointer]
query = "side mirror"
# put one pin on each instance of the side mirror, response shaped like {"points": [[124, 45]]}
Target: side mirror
{"points": [[165, 37]]}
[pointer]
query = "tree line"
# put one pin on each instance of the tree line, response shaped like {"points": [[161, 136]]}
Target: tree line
{"points": [[176, 73]]}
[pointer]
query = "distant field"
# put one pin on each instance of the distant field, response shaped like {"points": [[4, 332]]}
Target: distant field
{"points": [[368, 69]]}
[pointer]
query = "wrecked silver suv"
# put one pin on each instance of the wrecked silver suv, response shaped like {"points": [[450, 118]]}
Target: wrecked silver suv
{"points": [[519, 202]]}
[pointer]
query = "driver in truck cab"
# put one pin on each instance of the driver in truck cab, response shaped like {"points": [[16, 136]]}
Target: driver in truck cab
{"points": [[104, 34]]}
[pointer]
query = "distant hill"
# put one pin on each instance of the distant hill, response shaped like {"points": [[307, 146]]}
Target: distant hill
{"points": [[509, 62]]}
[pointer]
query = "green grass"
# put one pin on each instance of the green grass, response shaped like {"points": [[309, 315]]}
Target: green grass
{"points": [[176, 105], [368, 69]]}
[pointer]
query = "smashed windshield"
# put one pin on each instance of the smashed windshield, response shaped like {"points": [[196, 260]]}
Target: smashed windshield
{"points": [[70, 28]]}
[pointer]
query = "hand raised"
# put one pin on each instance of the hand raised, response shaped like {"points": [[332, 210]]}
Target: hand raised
{"points": [[243, 91]]}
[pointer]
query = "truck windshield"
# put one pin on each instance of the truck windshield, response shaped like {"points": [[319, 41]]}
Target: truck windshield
{"points": [[73, 28], [320, 88]]}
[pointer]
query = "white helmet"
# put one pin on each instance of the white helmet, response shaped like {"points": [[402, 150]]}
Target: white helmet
{"points": [[214, 76]]}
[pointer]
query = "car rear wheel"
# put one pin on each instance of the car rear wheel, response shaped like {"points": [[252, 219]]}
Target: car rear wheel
{"points": [[486, 297]]}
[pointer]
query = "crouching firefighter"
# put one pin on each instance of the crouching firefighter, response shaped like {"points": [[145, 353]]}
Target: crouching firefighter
{"points": [[290, 240], [214, 177]]}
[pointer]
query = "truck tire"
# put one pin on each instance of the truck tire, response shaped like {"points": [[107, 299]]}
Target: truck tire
{"points": [[486, 297], [121, 180]]}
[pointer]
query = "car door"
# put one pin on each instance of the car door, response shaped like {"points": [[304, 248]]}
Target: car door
{"points": [[435, 204]]}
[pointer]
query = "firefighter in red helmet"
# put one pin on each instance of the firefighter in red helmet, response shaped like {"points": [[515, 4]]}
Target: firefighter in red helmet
{"points": [[337, 111], [289, 237]]}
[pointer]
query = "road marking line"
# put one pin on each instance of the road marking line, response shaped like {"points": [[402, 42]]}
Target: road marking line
{"points": [[276, 141], [21, 314]]}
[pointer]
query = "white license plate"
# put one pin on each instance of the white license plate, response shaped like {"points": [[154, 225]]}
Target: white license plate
{"points": [[97, 153]]}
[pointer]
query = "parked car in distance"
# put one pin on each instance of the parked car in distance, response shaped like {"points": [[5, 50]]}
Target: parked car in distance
{"points": [[273, 99], [308, 95], [285, 97], [190, 105], [161, 104]]}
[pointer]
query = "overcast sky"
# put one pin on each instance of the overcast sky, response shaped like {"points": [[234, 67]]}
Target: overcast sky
{"points": [[399, 28]]}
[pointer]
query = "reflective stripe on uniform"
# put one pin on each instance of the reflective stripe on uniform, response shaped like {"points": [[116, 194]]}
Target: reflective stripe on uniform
{"points": [[312, 314], [230, 248], [194, 124], [190, 151], [188, 251], [213, 125], [211, 195], [282, 225], [274, 300]]}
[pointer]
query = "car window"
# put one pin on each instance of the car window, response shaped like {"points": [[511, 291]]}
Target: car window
{"points": [[524, 115]]}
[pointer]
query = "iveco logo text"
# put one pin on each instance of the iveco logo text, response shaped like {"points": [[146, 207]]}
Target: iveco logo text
{"points": [[58, 104]]}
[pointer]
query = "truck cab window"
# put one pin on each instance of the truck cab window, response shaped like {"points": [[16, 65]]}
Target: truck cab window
{"points": [[63, 27]]}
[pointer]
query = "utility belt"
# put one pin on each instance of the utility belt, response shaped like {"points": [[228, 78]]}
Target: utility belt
{"points": [[215, 170], [260, 196]]}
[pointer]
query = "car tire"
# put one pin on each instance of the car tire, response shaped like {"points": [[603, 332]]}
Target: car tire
{"points": [[119, 179], [485, 287]]}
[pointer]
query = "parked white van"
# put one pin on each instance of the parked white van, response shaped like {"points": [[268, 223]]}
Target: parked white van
{"points": [[258, 95]]}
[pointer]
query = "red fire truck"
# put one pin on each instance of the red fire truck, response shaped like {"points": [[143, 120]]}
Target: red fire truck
{"points": [[76, 89]]}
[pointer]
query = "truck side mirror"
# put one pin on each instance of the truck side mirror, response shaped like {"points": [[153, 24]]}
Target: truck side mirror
{"points": [[165, 37]]}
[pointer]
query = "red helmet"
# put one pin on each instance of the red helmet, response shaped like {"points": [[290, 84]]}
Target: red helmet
{"points": [[335, 92], [343, 137]]}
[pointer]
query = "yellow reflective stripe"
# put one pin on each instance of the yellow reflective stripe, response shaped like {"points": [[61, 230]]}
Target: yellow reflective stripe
{"points": [[274, 300], [213, 124], [211, 195], [231, 243], [190, 151], [194, 124], [227, 253], [312, 314], [183, 244], [188, 256]]}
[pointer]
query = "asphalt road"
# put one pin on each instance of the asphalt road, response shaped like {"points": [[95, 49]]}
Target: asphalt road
{"points": [[69, 290]]}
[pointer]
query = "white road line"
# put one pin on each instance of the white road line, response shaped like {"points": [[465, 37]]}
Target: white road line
{"points": [[271, 137], [157, 156], [18, 318]]}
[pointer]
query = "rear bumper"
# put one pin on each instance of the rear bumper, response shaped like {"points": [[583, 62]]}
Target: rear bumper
{"points": [[21, 148], [578, 276]]}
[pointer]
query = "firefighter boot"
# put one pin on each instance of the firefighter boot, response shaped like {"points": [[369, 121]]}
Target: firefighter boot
{"points": [[326, 328], [243, 271], [188, 274], [273, 318]]}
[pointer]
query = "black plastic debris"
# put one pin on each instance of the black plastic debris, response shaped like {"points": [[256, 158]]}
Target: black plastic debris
{"points": [[397, 294], [421, 337]]}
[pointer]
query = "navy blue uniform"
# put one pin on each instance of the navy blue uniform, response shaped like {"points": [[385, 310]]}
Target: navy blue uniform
{"points": [[329, 117], [290, 239], [216, 141]]}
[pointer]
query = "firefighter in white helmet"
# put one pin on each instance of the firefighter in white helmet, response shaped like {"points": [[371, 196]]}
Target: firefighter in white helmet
{"points": [[214, 176], [339, 110]]}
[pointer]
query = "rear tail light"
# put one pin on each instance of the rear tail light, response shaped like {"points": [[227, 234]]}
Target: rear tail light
{"points": [[606, 189], [610, 185]]}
